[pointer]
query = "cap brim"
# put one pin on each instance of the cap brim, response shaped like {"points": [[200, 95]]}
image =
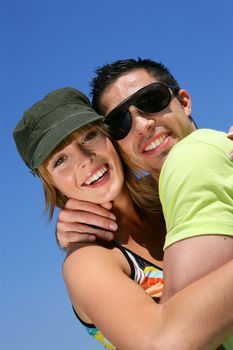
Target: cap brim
{"points": [[56, 135]]}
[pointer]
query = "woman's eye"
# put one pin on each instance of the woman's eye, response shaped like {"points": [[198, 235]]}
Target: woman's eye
{"points": [[89, 136], [59, 161]]}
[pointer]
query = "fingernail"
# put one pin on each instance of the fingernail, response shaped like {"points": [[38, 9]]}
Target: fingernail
{"points": [[113, 226], [231, 156], [112, 216]]}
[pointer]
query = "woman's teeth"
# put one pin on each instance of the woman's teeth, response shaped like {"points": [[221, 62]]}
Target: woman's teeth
{"points": [[96, 176]]}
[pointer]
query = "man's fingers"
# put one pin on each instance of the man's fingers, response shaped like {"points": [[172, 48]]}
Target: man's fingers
{"points": [[83, 217], [82, 221], [83, 229], [67, 237], [107, 205], [102, 210], [231, 155], [230, 136], [230, 133], [74, 237]]}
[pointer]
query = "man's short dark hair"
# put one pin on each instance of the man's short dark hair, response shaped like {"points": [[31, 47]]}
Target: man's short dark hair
{"points": [[109, 73]]}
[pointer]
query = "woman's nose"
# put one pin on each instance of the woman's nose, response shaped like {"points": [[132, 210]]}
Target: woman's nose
{"points": [[82, 162], [83, 157]]}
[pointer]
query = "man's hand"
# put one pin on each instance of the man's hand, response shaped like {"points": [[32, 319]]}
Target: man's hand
{"points": [[230, 136], [82, 221]]}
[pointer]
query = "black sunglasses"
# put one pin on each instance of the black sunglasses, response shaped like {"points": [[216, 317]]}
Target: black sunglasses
{"points": [[152, 98]]}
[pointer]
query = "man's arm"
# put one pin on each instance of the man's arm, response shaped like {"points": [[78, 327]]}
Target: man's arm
{"points": [[197, 196], [82, 221], [188, 260]]}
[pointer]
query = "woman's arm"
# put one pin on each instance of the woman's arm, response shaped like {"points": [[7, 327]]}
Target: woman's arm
{"points": [[98, 285]]}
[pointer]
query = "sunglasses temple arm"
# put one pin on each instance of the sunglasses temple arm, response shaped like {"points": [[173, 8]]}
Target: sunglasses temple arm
{"points": [[193, 121]]}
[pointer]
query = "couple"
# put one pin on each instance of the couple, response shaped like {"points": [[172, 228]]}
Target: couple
{"points": [[147, 113]]}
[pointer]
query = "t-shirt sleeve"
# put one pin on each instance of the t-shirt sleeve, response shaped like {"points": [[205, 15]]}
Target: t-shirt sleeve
{"points": [[196, 187]]}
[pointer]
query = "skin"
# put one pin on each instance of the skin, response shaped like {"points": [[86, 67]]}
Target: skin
{"points": [[76, 166], [172, 123], [75, 219], [90, 168], [190, 259], [149, 325]]}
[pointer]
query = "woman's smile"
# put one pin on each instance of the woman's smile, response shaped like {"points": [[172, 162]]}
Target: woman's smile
{"points": [[98, 177], [88, 168]]}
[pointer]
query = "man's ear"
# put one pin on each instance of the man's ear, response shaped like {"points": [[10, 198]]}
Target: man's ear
{"points": [[185, 100]]}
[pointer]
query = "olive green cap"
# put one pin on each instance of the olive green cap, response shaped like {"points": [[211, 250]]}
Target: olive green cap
{"points": [[50, 121]]}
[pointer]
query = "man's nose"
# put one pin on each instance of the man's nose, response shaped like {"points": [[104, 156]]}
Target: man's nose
{"points": [[141, 125]]}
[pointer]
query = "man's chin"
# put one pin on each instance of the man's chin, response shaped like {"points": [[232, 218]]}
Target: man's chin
{"points": [[155, 169]]}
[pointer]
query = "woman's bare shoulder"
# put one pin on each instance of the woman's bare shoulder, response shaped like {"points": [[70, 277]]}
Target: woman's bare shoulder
{"points": [[92, 256]]}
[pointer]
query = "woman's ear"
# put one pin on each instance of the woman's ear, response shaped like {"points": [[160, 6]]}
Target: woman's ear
{"points": [[185, 100]]}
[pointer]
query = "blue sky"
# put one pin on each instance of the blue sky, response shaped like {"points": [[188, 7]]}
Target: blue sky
{"points": [[49, 44]]}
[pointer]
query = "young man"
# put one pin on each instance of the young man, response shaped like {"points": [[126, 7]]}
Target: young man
{"points": [[123, 92]]}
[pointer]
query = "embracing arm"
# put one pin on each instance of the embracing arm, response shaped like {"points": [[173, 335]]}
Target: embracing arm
{"points": [[197, 194], [129, 318]]}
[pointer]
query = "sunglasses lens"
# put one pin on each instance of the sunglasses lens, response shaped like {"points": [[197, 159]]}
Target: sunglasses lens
{"points": [[119, 126], [155, 100], [151, 99]]}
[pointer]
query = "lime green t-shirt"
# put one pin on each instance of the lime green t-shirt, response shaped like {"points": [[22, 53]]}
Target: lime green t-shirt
{"points": [[196, 189]]}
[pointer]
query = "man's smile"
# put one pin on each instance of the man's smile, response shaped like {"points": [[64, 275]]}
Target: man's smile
{"points": [[158, 142]]}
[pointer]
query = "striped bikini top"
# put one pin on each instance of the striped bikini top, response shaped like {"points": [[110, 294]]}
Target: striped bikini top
{"points": [[143, 272]]}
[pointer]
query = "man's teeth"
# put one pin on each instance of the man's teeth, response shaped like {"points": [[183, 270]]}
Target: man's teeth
{"points": [[155, 143], [96, 176]]}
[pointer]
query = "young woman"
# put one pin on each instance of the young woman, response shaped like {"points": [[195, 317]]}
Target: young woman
{"points": [[113, 286]]}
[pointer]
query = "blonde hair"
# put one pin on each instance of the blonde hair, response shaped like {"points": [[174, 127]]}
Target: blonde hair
{"points": [[143, 190]]}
